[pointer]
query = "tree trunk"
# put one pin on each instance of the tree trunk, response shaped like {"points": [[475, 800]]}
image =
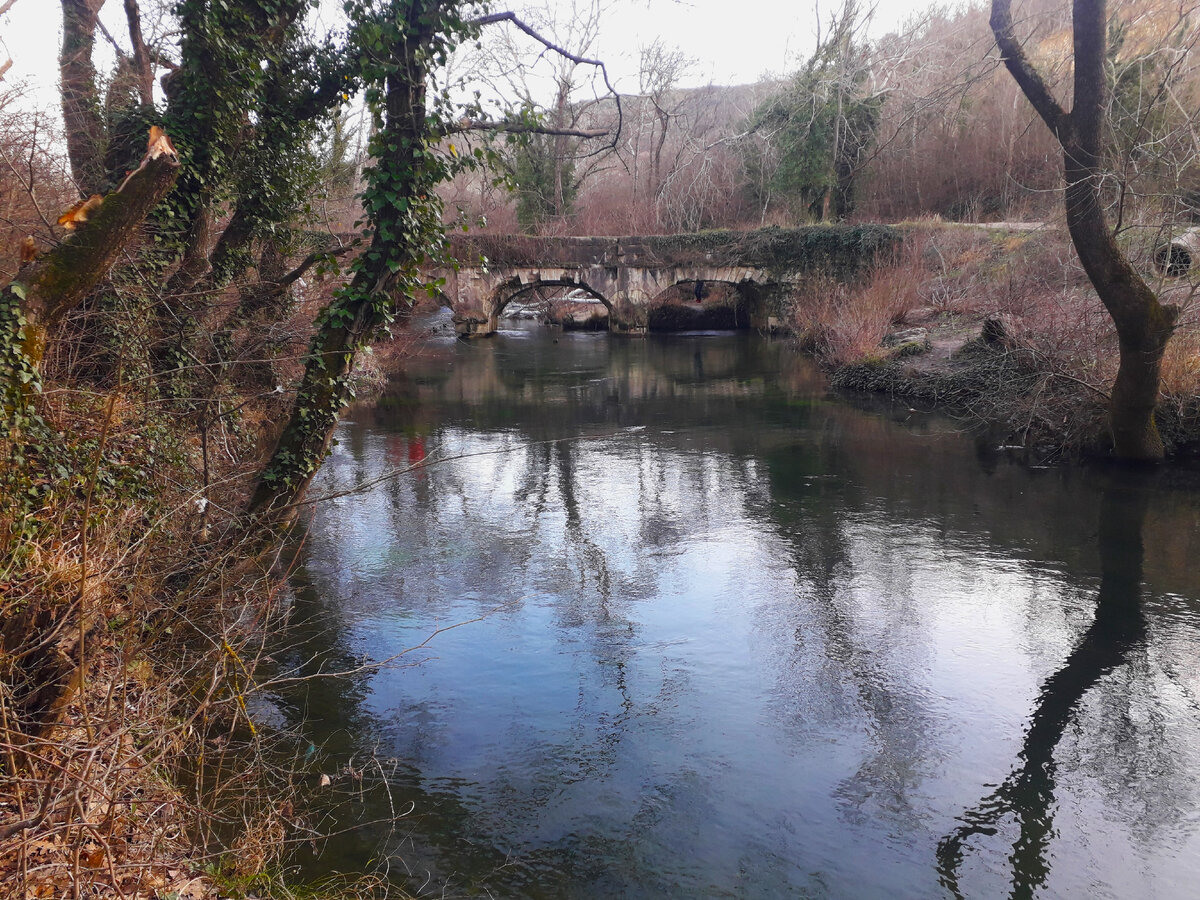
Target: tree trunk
{"points": [[559, 143], [361, 308], [1143, 324], [82, 119], [231, 256], [324, 391], [175, 314], [56, 282]]}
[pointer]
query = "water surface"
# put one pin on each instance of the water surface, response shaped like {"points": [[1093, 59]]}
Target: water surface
{"points": [[707, 632]]}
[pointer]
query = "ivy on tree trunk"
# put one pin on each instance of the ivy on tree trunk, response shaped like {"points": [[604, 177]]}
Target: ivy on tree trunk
{"points": [[402, 206]]}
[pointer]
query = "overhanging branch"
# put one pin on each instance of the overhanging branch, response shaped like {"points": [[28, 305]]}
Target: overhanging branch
{"points": [[61, 278], [465, 125], [511, 17]]}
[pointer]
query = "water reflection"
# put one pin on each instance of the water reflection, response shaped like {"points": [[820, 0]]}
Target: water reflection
{"points": [[1027, 795], [730, 639]]}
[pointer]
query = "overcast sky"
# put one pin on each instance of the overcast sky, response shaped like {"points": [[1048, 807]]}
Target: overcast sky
{"points": [[732, 41]]}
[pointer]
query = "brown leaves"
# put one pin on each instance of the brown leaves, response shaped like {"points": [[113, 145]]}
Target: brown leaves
{"points": [[159, 144], [78, 214]]}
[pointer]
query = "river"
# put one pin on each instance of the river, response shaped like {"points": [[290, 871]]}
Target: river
{"points": [[664, 619]]}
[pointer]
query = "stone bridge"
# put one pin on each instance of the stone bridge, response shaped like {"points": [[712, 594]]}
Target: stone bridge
{"points": [[631, 275]]}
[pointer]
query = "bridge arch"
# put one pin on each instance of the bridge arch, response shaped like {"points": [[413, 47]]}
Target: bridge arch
{"points": [[687, 303], [509, 291]]}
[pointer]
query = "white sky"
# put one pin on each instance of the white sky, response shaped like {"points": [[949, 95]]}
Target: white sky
{"points": [[733, 41]]}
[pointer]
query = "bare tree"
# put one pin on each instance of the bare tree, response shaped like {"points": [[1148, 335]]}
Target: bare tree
{"points": [[1143, 324], [558, 83], [663, 106]]}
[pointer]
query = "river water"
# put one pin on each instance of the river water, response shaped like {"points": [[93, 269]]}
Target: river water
{"points": [[673, 622]]}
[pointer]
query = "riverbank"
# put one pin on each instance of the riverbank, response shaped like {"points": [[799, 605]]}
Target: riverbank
{"points": [[1000, 326], [134, 607]]}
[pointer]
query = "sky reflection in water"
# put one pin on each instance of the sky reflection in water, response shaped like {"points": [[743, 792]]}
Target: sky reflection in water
{"points": [[729, 639]]}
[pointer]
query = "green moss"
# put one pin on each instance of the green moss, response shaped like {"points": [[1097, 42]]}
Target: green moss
{"points": [[911, 348], [838, 250]]}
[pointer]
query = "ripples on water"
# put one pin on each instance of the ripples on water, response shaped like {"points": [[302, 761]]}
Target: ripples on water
{"points": [[724, 637]]}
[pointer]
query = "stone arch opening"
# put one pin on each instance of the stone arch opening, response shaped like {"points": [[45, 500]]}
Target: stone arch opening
{"points": [[574, 304], [507, 293], [707, 304]]}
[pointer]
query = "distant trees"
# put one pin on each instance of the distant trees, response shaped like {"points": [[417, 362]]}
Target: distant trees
{"points": [[954, 138], [544, 182], [547, 169], [1151, 146], [922, 121], [813, 137]]}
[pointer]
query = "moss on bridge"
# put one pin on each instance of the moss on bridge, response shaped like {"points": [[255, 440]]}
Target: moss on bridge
{"points": [[839, 250]]}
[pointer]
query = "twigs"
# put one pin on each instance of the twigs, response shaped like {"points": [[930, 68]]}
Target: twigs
{"points": [[514, 20], [433, 460]]}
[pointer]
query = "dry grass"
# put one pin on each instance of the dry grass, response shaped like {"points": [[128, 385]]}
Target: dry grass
{"points": [[846, 323], [1060, 354]]}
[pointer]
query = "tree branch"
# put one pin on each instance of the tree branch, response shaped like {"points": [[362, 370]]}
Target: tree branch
{"points": [[566, 54], [1032, 85], [141, 56], [117, 48], [278, 286], [60, 279], [466, 125]]}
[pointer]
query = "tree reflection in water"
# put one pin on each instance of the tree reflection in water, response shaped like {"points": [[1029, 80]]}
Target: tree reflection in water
{"points": [[1027, 795]]}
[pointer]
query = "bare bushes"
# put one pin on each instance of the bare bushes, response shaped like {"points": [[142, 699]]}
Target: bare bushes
{"points": [[1017, 337], [133, 610], [83, 806], [1179, 410], [134, 618], [33, 184], [844, 323]]}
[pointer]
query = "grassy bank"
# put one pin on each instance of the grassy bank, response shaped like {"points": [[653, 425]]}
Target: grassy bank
{"points": [[998, 325]]}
